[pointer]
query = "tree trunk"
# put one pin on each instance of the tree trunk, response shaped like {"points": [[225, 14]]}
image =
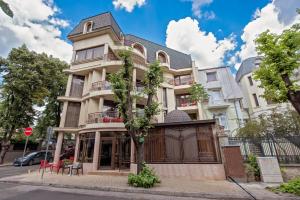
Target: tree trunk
{"points": [[5, 144], [139, 157], [293, 96]]}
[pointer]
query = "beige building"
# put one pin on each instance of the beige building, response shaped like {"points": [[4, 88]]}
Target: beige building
{"points": [[89, 111], [225, 99], [253, 100]]}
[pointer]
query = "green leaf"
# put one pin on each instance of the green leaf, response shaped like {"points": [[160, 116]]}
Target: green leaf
{"points": [[5, 7]]}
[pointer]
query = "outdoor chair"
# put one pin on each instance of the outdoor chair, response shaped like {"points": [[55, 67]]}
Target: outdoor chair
{"points": [[57, 166], [77, 167], [44, 165], [65, 166]]}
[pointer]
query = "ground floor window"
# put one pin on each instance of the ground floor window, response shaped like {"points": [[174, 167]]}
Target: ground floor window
{"points": [[86, 149]]}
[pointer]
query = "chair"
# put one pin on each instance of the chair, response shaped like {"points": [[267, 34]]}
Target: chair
{"points": [[65, 166], [57, 166], [44, 165], [77, 167]]}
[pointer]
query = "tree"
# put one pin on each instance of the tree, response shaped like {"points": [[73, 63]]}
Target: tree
{"points": [[5, 7], [124, 91], [280, 58], [125, 94], [28, 81]]}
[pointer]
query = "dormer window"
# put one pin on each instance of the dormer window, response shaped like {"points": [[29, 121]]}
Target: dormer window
{"points": [[162, 57], [88, 27], [140, 48]]}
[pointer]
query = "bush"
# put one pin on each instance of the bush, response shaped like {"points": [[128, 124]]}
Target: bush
{"points": [[292, 186], [252, 166], [146, 178]]}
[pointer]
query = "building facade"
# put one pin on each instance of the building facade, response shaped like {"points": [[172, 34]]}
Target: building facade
{"points": [[253, 100], [89, 110], [225, 98]]}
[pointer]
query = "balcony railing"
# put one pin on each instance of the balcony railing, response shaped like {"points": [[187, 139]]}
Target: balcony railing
{"points": [[104, 117], [169, 81], [185, 102], [189, 81], [139, 87], [101, 85]]}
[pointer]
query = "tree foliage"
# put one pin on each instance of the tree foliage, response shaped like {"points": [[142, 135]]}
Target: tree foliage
{"points": [[277, 124], [198, 93], [5, 7], [126, 96], [280, 60], [29, 79]]}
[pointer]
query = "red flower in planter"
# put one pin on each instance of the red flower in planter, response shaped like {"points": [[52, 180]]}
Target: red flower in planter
{"points": [[106, 119]]}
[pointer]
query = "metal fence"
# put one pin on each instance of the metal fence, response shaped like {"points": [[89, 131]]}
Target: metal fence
{"points": [[286, 149]]}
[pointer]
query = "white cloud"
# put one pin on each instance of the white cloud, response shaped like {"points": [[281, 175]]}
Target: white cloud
{"points": [[185, 35], [34, 24], [196, 8], [275, 16], [128, 5]]}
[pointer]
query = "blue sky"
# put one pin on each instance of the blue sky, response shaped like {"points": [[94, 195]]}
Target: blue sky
{"points": [[151, 20], [214, 32]]}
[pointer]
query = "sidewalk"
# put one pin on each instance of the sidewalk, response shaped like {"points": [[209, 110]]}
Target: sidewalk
{"points": [[169, 187]]}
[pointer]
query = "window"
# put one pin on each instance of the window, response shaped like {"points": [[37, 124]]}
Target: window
{"points": [[86, 148], [139, 48], [77, 86], [88, 27], [222, 119], [211, 76], [215, 96], [255, 100], [165, 98], [161, 57], [250, 80], [72, 116], [89, 54]]}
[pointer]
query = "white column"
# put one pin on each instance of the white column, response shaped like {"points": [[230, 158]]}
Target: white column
{"points": [[60, 138], [64, 115], [103, 78], [69, 85], [101, 103], [76, 148], [132, 148], [96, 151]]}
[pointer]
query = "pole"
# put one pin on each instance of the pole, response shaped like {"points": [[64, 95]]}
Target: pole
{"points": [[24, 151], [49, 134]]}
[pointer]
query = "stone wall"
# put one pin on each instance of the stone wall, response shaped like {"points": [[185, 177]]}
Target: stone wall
{"points": [[290, 171]]}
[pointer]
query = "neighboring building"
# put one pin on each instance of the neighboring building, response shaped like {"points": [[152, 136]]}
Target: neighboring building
{"points": [[89, 109], [254, 102], [225, 98]]}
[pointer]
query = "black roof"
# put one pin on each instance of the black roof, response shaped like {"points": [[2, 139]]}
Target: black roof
{"points": [[178, 60], [247, 67], [99, 21]]}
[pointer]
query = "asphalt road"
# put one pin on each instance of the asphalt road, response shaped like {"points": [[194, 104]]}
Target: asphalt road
{"points": [[10, 191], [6, 171]]}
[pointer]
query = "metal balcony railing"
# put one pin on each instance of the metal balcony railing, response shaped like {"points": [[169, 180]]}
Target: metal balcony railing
{"points": [[101, 85], [105, 117], [189, 81], [185, 102]]}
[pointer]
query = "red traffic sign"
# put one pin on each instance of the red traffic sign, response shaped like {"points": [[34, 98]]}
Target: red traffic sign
{"points": [[28, 131]]}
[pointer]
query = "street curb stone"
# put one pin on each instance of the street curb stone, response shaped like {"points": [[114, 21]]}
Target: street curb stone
{"points": [[138, 190]]}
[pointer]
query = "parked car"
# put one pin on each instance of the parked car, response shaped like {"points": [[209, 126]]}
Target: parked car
{"points": [[33, 158]]}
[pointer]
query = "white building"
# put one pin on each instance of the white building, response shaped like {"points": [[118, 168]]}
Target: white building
{"points": [[225, 98]]}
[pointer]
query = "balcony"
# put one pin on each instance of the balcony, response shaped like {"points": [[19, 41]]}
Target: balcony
{"points": [[104, 117], [101, 85], [185, 102], [170, 81], [217, 103], [183, 80]]}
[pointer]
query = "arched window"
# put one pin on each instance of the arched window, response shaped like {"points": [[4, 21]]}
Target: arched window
{"points": [[139, 47], [88, 27], [162, 57]]}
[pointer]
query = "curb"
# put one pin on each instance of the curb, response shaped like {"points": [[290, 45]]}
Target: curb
{"points": [[6, 165], [137, 190]]}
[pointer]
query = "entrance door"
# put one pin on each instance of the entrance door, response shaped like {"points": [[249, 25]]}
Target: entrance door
{"points": [[107, 153]]}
